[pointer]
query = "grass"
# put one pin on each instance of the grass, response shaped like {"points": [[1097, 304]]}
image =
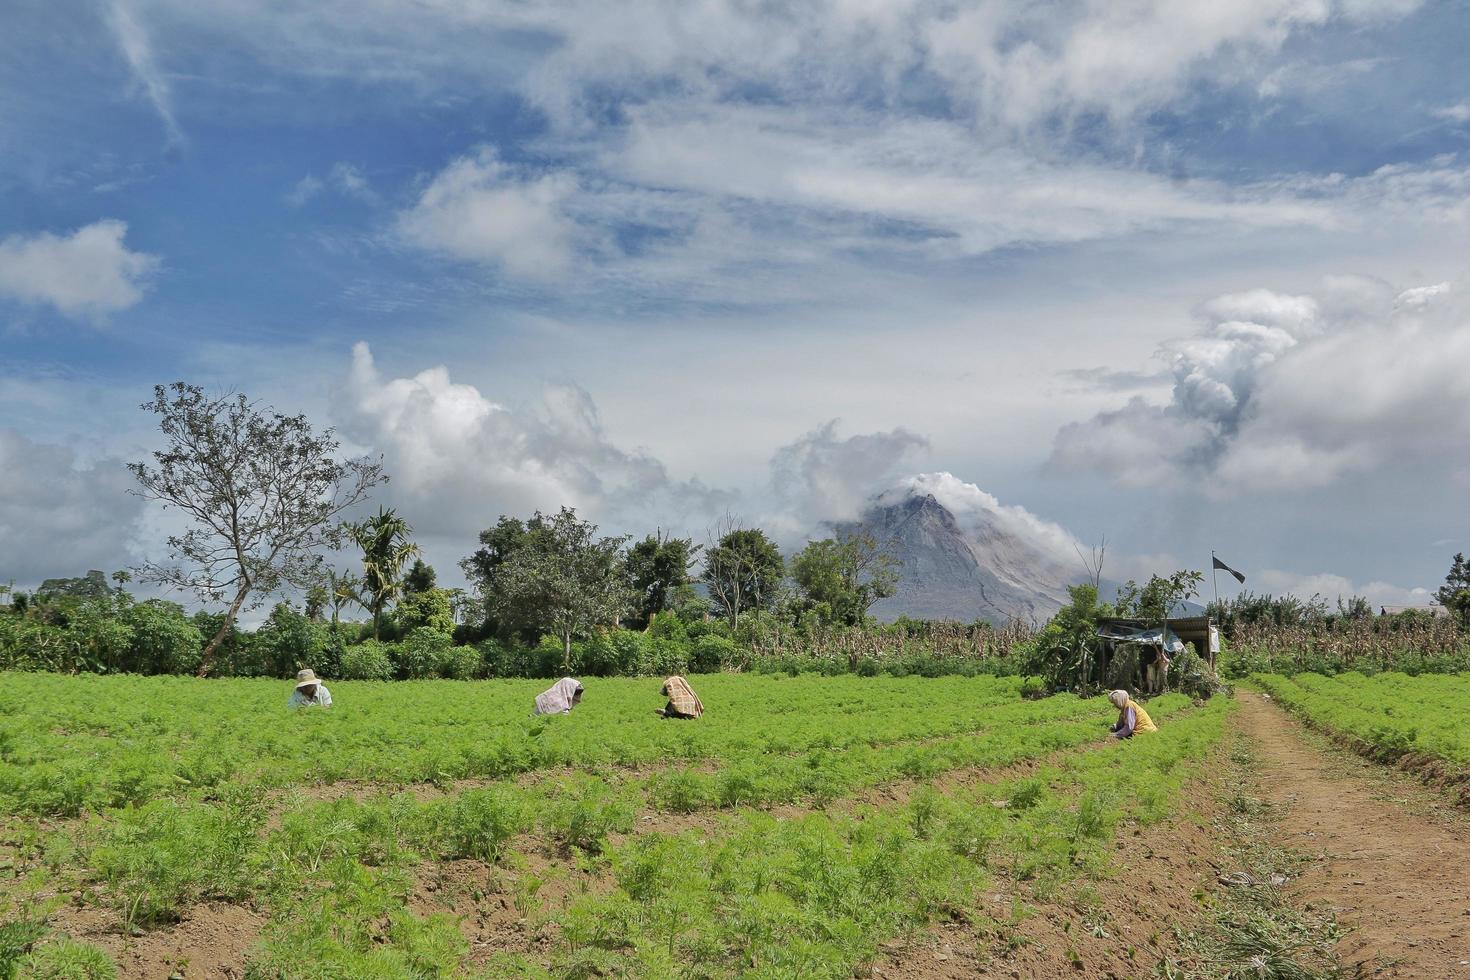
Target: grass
{"points": [[154, 824]]}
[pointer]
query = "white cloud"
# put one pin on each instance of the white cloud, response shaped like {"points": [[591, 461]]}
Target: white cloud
{"points": [[344, 178], [1459, 112], [459, 459], [1296, 393], [1004, 62], [89, 273], [59, 516], [138, 50], [822, 477], [479, 209], [1333, 587]]}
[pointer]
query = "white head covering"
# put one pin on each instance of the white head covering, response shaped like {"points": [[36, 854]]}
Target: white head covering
{"points": [[1119, 699], [557, 700], [306, 678]]}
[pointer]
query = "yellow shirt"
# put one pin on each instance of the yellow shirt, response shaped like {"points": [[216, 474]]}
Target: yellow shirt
{"points": [[1142, 722]]}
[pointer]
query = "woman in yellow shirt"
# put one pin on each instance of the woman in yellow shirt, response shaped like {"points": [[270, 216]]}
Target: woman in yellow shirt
{"points": [[1131, 716]]}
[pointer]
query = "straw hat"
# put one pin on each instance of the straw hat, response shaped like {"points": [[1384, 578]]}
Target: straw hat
{"points": [[306, 678]]}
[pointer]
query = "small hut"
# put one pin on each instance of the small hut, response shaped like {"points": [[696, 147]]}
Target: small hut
{"points": [[1147, 637]]}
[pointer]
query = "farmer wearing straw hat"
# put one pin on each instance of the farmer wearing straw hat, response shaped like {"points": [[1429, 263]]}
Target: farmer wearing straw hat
{"points": [[310, 692]]}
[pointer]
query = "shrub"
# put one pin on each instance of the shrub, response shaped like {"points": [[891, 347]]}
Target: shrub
{"points": [[164, 640], [459, 663], [612, 653], [422, 651], [1188, 674], [664, 657], [480, 822], [62, 958], [368, 661]]}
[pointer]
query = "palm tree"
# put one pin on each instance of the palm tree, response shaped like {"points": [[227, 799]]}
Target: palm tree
{"points": [[385, 550]]}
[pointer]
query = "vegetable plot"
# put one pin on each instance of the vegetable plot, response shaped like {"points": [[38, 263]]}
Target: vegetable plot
{"points": [[622, 843], [1390, 713]]}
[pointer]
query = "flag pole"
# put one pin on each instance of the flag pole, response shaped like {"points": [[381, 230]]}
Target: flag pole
{"points": [[1215, 579], [1215, 584]]}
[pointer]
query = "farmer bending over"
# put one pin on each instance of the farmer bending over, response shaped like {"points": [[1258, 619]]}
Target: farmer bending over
{"points": [[683, 702], [1131, 716], [560, 699], [310, 692]]}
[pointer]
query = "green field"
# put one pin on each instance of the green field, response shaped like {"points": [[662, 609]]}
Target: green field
{"points": [[1389, 712], [621, 843]]}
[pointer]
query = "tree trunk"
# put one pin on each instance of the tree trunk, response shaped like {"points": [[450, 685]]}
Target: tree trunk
{"points": [[566, 652], [206, 661]]}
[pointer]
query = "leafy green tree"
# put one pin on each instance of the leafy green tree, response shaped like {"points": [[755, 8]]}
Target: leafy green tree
{"points": [[1067, 647], [743, 572], [1156, 600], [841, 578], [317, 601], [420, 578], [1454, 595], [563, 579], [264, 492], [288, 641], [498, 545], [386, 548], [657, 568], [431, 607], [164, 639]]}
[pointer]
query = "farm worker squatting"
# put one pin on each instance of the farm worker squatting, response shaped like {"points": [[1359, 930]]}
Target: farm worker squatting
{"points": [[310, 692], [683, 702], [560, 699], [1131, 716]]}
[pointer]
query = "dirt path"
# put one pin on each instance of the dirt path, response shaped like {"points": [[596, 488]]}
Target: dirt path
{"points": [[1392, 870]]}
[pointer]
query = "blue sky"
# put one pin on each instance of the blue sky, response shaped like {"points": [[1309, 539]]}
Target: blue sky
{"points": [[1186, 274]]}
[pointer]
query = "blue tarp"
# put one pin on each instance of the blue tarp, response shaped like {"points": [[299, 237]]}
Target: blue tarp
{"points": [[1145, 636]]}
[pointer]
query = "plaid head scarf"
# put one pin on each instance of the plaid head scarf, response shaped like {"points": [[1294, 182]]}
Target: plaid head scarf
{"points": [[682, 698]]}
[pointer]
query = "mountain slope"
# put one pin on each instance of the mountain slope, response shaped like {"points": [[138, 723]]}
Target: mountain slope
{"points": [[979, 567]]}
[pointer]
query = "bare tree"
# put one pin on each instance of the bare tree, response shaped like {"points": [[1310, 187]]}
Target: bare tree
{"points": [[264, 492], [1093, 562]]}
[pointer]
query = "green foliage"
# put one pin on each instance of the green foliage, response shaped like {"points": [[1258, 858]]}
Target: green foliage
{"points": [[368, 661], [657, 568], [479, 823], [1159, 597], [289, 641], [164, 640], [386, 548], [562, 579], [1388, 714], [62, 958], [1454, 595], [430, 607], [743, 572], [423, 653], [841, 578]]}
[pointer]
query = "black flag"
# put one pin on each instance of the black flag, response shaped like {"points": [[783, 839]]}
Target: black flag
{"points": [[1226, 568]]}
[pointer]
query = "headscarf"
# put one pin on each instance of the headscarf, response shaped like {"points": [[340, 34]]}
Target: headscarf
{"points": [[682, 697], [557, 700], [1119, 699]]}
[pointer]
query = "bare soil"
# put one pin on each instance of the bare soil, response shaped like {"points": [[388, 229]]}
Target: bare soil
{"points": [[1390, 856], [209, 942]]}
